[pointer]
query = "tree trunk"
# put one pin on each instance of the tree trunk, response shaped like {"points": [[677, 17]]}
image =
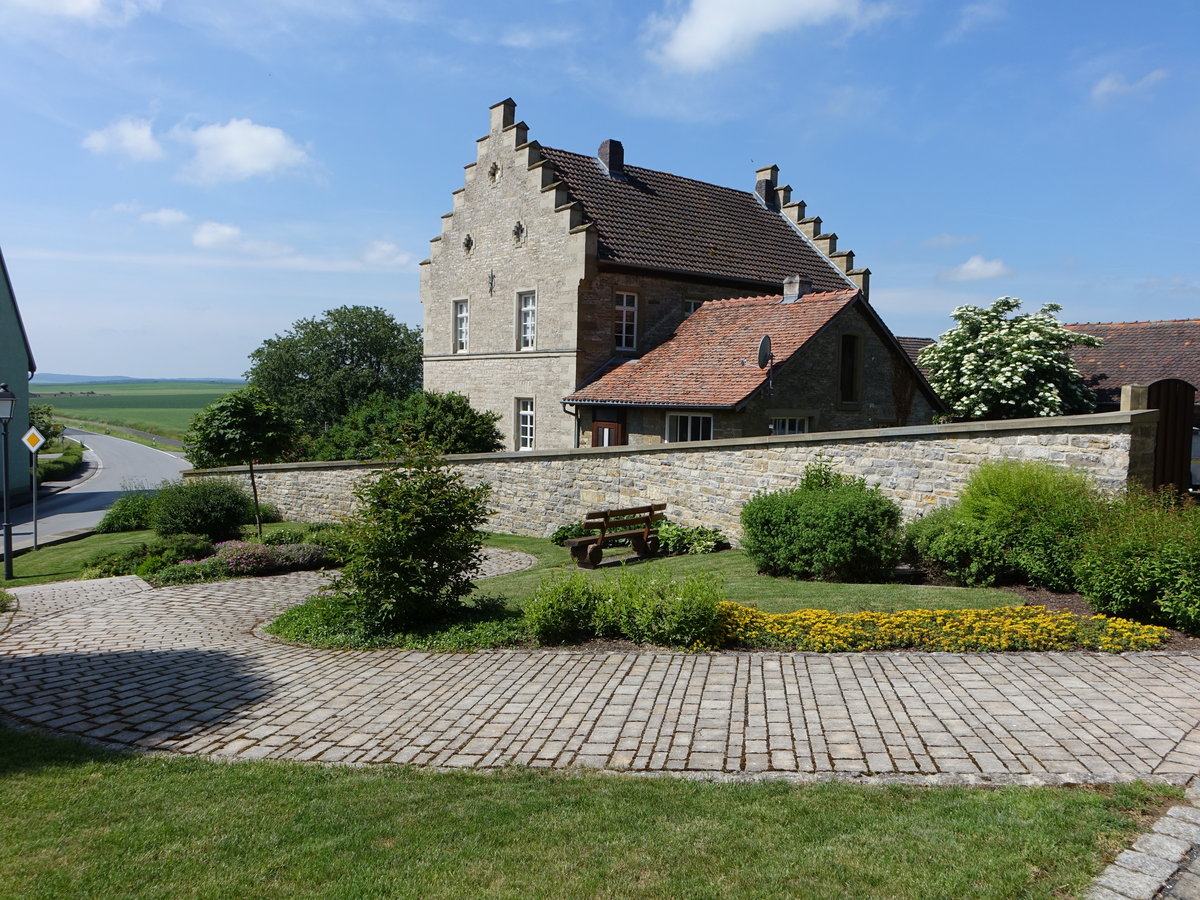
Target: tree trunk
{"points": [[254, 489]]}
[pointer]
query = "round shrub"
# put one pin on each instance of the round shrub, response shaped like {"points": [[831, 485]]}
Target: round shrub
{"points": [[950, 546], [830, 528], [563, 610], [1142, 561], [1037, 512], [213, 507]]}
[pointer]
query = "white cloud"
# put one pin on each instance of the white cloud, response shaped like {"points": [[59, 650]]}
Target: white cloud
{"points": [[219, 236], [975, 16], [385, 254], [948, 240], [976, 269], [164, 217], [1114, 84], [132, 137], [712, 32], [238, 150], [526, 38], [104, 12]]}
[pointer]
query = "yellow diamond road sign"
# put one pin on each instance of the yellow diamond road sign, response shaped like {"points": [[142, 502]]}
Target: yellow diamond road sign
{"points": [[33, 440]]}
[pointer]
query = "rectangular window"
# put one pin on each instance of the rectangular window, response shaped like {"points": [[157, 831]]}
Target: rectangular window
{"points": [[524, 424], [527, 303], [690, 306], [848, 369], [791, 425], [462, 326], [626, 321], [682, 427]]}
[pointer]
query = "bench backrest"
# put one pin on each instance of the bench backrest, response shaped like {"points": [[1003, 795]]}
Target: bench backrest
{"points": [[622, 519]]}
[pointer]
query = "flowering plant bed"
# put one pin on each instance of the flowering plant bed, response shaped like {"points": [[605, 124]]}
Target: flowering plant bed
{"points": [[1006, 628]]}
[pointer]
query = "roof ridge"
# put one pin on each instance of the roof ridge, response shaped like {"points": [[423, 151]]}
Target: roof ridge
{"points": [[628, 168], [1134, 322]]}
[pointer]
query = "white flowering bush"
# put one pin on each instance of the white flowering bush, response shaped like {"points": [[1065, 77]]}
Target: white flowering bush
{"points": [[993, 366]]}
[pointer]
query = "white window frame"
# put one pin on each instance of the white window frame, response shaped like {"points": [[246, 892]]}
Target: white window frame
{"points": [[693, 425], [690, 306], [526, 424], [625, 320], [527, 320], [791, 424], [462, 326]]}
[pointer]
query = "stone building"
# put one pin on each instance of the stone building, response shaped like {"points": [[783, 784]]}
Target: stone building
{"points": [[554, 268], [16, 368]]}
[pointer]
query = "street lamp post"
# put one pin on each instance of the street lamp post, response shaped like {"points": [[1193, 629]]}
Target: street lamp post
{"points": [[8, 404]]}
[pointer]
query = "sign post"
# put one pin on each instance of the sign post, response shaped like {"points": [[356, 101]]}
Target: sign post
{"points": [[33, 440]]}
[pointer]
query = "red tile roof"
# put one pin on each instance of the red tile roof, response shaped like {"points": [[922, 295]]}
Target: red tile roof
{"points": [[712, 359], [914, 345], [1138, 353], [662, 221]]}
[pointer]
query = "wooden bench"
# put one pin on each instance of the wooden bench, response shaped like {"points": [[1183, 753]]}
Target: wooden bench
{"points": [[638, 523]]}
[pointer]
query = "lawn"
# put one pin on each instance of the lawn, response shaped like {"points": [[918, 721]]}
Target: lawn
{"points": [[87, 822], [159, 407], [742, 583]]}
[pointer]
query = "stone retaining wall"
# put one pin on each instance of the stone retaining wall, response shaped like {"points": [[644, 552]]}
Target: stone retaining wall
{"points": [[707, 483]]}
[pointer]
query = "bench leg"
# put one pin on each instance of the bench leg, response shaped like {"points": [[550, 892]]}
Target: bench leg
{"points": [[587, 556], [644, 547]]}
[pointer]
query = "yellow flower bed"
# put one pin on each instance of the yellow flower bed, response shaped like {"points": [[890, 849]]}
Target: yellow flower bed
{"points": [[954, 630]]}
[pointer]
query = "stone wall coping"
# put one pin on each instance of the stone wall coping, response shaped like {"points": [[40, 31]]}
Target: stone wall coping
{"points": [[949, 430]]}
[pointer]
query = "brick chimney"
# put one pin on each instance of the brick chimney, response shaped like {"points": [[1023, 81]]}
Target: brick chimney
{"points": [[612, 156], [766, 180]]}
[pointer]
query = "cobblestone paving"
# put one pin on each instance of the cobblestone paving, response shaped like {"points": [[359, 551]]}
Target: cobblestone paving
{"points": [[183, 668]]}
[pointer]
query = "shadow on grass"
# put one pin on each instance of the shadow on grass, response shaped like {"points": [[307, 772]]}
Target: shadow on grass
{"points": [[149, 699]]}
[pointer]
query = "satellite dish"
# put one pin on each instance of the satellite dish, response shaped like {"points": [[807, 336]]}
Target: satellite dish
{"points": [[764, 352]]}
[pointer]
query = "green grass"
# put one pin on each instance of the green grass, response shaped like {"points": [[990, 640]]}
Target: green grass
{"points": [[742, 583], [159, 407], [85, 822]]}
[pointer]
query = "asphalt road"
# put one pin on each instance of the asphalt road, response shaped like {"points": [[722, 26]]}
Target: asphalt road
{"points": [[117, 466]]}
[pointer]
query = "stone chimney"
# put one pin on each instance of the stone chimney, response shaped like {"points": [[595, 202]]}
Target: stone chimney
{"points": [[612, 156], [795, 287], [504, 114], [766, 180]]}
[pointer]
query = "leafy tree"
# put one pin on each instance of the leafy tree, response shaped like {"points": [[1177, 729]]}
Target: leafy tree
{"points": [[384, 425], [41, 417], [240, 428], [414, 545], [323, 368], [990, 366]]}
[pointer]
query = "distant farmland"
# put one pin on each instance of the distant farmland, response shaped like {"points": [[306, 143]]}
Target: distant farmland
{"points": [[163, 408]]}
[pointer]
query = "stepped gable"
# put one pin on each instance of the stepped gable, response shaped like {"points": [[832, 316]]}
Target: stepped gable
{"points": [[1138, 353], [712, 359], [657, 220]]}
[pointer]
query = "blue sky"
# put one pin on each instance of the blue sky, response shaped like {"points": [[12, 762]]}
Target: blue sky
{"points": [[181, 179]]}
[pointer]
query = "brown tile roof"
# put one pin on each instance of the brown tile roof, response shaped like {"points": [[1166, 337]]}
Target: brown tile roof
{"points": [[912, 346], [1138, 353], [711, 360], [662, 221]]}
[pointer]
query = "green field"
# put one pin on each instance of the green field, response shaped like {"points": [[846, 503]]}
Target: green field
{"points": [[163, 408]]}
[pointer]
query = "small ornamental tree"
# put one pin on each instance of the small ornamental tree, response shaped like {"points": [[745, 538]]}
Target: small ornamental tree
{"points": [[413, 545], [241, 428], [991, 366]]}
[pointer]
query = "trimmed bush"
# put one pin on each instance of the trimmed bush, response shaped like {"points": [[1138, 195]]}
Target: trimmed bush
{"points": [[830, 528], [211, 569], [1143, 560], [563, 610], [62, 466], [953, 547], [213, 507], [647, 610]]}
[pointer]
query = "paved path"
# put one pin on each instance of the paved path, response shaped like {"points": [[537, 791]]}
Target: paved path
{"points": [[185, 669]]}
